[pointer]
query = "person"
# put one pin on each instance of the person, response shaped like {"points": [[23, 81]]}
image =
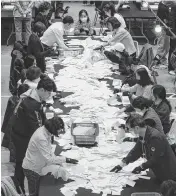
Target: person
{"points": [[40, 157], [119, 55], [162, 106], [163, 39], [33, 74], [152, 145], [120, 35], [168, 188], [43, 9], [30, 116], [22, 15], [54, 34], [143, 86], [83, 26], [142, 107], [7, 121], [36, 48], [110, 11]]}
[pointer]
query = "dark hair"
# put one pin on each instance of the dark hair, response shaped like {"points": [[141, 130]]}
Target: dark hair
{"points": [[22, 89], [160, 92], [44, 6], [46, 84], [29, 61], [80, 13], [19, 64], [110, 6], [144, 77], [39, 27], [114, 22], [136, 120], [54, 124], [168, 188], [68, 19], [141, 103], [33, 73], [42, 76]]}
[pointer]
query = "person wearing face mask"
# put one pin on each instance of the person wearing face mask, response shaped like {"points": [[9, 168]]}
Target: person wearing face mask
{"points": [[54, 34], [36, 48], [40, 159], [153, 146], [142, 87], [162, 106], [33, 74], [43, 9], [118, 54], [83, 26], [30, 116], [142, 106], [110, 11]]}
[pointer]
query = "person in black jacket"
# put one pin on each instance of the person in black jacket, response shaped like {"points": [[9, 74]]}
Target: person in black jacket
{"points": [[30, 116], [43, 9], [36, 48], [153, 146], [162, 106]]}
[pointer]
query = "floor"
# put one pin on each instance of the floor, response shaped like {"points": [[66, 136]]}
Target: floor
{"points": [[8, 168]]}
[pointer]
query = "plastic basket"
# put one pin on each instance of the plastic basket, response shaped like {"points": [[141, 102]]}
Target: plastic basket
{"points": [[85, 139], [145, 194], [76, 50]]}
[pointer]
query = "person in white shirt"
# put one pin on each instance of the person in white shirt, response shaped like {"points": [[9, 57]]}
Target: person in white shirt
{"points": [[40, 160], [109, 10], [121, 35], [54, 34]]}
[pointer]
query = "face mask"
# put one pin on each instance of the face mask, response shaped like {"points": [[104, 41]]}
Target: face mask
{"points": [[84, 19]]}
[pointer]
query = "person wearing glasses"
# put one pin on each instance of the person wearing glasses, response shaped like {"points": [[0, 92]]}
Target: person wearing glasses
{"points": [[154, 147]]}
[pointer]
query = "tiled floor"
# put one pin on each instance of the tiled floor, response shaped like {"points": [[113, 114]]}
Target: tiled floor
{"points": [[7, 169]]}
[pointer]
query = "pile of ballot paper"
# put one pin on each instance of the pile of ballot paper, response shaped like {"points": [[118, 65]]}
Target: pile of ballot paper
{"points": [[91, 95]]}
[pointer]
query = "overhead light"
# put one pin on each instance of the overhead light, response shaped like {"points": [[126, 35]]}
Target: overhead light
{"points": [[158, 28]]}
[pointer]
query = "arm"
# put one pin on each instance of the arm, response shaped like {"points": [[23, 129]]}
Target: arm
{"points": [[131, 89], [60, 40], [47, 154], [29, 7], [18, 6], [118, 36], [134, 154], [158, 152]]}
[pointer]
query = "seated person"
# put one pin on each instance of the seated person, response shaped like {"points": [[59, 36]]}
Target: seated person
{"points": [[121, 35], [83, 26], [40, 159], [43, 9], [119, 55], [36, 48], [142, 107], [143, 86], [162, 106], [54, 34], [154, 147], [109, 10], [33, 74]]}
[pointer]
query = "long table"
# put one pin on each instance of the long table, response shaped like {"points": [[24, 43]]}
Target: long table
{"points": [[51, 186]]}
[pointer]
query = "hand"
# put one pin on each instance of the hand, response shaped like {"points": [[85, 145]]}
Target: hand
{"points": [[72, 161], [50, 51], [116, 169], [137, 170]]}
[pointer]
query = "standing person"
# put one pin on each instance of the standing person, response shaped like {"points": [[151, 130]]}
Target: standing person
{"points": [[163, 39], [40, 159], [153, 146], [120, 35], [83, 26], [54, 34], [43, 9], [162, 106], [30, 116], [110, 11], [36, 48], [23, 16]]}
